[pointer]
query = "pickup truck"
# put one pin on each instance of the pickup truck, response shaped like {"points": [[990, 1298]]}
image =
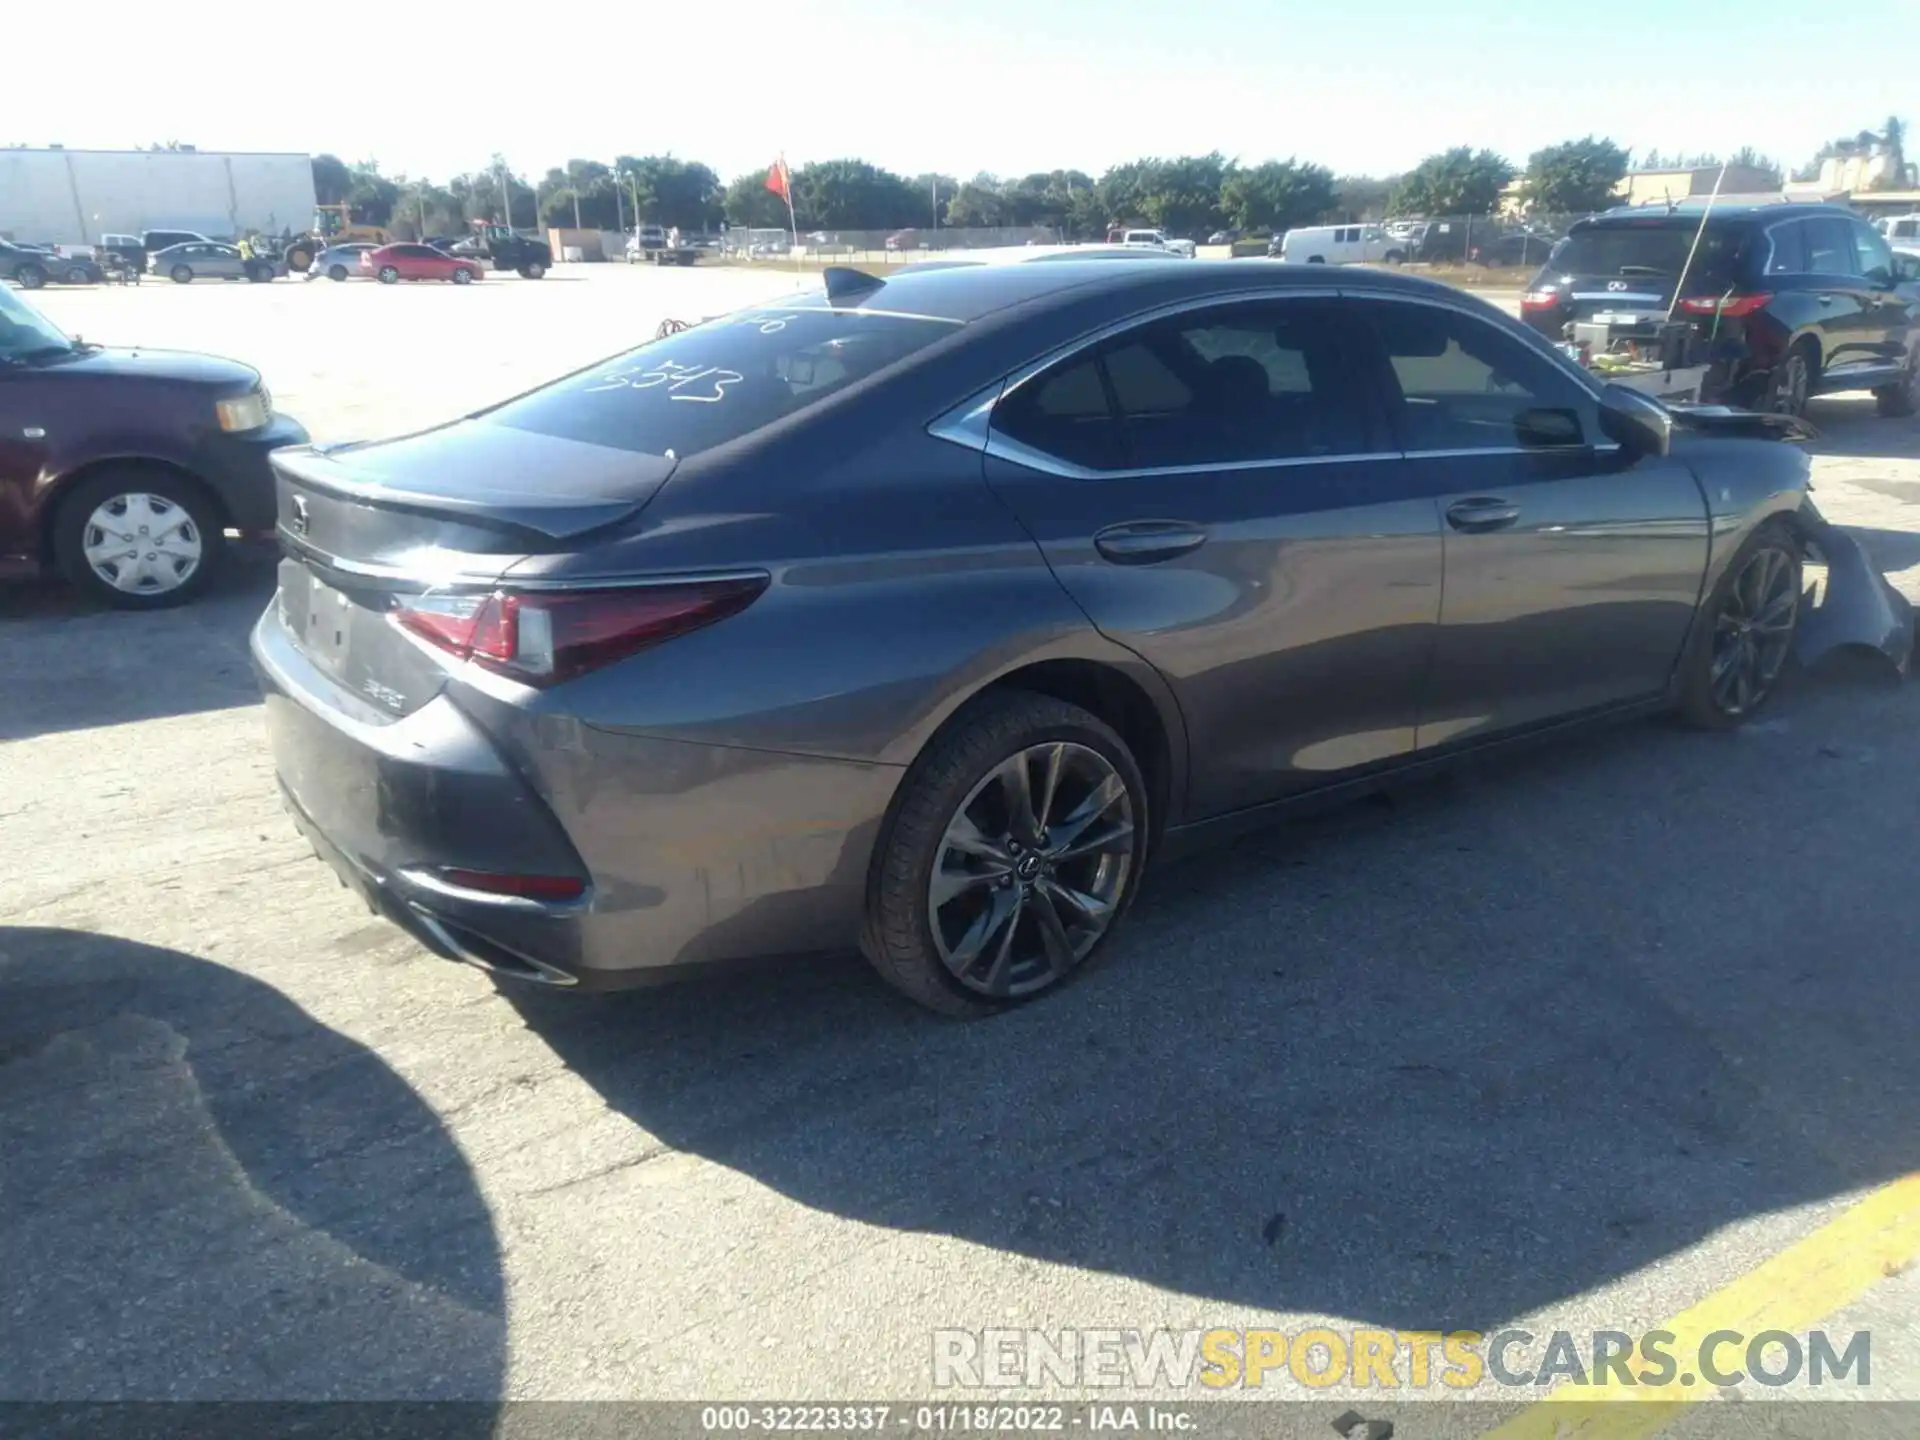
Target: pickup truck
{"points": [[1157, 240], [652, 243]]}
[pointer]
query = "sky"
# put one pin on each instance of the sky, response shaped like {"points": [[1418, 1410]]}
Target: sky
{"points": [[963, 86]]}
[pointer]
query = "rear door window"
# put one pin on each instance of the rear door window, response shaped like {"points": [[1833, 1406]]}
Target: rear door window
{"points": [[1789, 249], [1232, 385], [1829, 246], [1872, 255], [719, 381]]}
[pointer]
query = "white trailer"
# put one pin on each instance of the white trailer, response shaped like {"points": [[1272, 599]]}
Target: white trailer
{"points": [[73, 197]]}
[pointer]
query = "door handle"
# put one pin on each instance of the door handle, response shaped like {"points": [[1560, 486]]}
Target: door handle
{"points": [[1481, 513], [1143, 542]]}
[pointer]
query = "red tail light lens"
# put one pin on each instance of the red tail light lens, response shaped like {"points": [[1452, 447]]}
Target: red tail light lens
{"points": [[524, 887], [542, 638], [1725, 305], [1539, 300]]}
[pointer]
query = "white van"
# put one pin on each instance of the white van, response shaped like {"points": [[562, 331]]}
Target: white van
{"points": [[1900, 229], [1341, 245]]}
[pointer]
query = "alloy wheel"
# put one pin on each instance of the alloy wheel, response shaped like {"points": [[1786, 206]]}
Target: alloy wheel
{"points": [[142, 544], [1754, 631], [1031, 869]]}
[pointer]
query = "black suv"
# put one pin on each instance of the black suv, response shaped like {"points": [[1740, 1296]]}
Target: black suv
{"points": [[1789, 300]]}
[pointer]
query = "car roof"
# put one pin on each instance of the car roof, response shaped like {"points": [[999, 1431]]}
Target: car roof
{"points": [[971, 292], [1688, 213]]}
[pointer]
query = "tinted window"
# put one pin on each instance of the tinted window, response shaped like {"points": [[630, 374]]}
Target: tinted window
{"points": [[1656, 251], [1789, 255], [1873, 254], [1829, 246], [1464, 385], [1230, 385], [719, 381]]}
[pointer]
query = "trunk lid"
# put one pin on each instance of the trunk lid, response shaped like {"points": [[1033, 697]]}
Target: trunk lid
{"points": [[1633, 268], [449, 509]]}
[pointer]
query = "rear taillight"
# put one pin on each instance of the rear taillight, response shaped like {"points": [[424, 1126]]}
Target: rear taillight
{"points": [[1539, 300], [520, 887], [544, 637], [1724, 305]]}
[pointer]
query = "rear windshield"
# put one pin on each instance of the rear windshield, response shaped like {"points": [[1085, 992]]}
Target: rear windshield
{"points": [[720, 380], [1652, 251]]}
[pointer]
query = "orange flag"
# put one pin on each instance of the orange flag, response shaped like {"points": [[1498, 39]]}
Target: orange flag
{"points": [[780, 181]]}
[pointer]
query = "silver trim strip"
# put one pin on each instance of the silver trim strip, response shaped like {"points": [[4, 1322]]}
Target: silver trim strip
{"points": [[1623, 297], [495, 580], [542, 974]]}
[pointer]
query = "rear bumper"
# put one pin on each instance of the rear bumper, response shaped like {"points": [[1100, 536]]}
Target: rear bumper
{"points": [[692, 854]]}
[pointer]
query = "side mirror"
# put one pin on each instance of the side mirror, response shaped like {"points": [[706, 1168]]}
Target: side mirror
{"points": [[1638, 423]]}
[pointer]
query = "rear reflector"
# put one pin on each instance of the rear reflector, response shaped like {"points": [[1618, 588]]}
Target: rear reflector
{"points": [[524, 887], [544, 637], [1725, 305]]}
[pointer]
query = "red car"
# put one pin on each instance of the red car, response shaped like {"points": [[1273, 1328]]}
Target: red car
{"points": [[391, 264]]}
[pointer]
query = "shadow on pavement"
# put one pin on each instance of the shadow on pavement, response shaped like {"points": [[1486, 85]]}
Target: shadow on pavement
{"points": [[207, 1195], [67, 663], [1432, 1062]]}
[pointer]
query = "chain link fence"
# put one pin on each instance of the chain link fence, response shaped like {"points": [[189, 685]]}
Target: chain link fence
{"points": [[876, 246]]}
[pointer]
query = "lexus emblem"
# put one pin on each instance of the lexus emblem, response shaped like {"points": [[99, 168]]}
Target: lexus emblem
{"points": [[298, 524], [1616, 284]]}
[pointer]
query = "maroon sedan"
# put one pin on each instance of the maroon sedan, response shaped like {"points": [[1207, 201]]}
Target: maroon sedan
{"points": [[391, 264], [126, 469]]}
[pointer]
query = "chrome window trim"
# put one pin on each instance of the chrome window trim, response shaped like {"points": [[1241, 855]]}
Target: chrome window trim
{"points": [[970, 423]]}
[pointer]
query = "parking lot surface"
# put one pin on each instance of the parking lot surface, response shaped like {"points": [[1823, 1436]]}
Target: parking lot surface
{"points": [[1574, 1042]]}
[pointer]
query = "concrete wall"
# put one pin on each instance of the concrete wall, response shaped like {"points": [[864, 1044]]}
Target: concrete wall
{"points": [[73, 197]]}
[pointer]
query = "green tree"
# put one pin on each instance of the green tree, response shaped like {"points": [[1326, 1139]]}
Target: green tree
{"points": [[1575, 177], [1363, 197], [332, 181], [977, 203], [852, 195], [371, 194], [1461, 181], [1277, 195], [749, 204], [671, 191], [1183, 194]]}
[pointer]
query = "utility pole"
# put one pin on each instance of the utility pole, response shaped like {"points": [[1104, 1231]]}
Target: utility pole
{"points": [[506, 196]]}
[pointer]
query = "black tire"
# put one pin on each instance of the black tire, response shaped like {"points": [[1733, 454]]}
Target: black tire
{"points": [[389, 275], [30, 277], [1791, 384], [1896, 402], [898, 936], [72, 521], [1395, 257], [299, 259], [79, 275], [336, 272], [463, 276], [1703, 703], [533, 270], [260, 274], [182, 274]]}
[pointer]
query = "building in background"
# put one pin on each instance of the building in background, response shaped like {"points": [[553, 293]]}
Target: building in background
{"points": [[1657, 187], [73, 197]]}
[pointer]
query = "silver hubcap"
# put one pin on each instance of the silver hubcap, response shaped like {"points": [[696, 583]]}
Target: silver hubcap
{"points": [[1031, 869], [1753, 631], [142, 544]]}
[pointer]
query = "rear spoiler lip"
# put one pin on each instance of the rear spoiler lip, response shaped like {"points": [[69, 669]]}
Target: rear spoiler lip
{"points": [[562, 520], [1741, 424]]}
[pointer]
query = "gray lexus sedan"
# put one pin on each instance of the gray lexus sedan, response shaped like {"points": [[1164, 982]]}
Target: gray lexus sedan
{"points": [[922, 614]]}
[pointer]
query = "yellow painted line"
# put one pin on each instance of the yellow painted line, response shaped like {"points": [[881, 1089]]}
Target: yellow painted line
{"points": [[1793, 1291]]}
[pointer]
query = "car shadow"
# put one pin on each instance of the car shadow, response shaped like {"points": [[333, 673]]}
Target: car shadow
{"points": [[208, 1195], [1436, 1060], [70, 663]]}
